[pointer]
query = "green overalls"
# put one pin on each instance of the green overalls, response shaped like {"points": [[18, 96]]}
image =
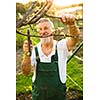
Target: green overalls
{"points": [[47, 85]]}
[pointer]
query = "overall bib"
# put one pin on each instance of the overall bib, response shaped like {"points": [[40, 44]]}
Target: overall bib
{"points": [[47, 85]]}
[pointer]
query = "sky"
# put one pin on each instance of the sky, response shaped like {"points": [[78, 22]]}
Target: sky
{"points": [[57, 2]]}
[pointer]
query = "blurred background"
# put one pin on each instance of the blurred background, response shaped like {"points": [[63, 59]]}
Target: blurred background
{"points": [[25, 11]]}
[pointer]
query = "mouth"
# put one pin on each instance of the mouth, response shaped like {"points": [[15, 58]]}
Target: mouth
{"points": [[45, 35]]}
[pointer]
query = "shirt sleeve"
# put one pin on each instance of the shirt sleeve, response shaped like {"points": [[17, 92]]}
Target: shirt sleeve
{"points": [[62, 59], [62, 47]]}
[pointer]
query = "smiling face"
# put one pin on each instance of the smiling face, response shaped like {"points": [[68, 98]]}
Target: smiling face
{"points": [[45, 28]]}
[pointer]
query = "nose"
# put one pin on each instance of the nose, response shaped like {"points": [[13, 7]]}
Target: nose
{"points": [[43, 32]]}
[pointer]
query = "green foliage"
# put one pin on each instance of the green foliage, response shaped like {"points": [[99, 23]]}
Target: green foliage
{"points": [[27, 5], [75, 71], [20, 9], [20, 39], [23, 83]]}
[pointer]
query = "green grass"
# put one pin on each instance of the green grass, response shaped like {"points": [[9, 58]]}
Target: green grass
{"points": [[23, 83], [74, 70]]}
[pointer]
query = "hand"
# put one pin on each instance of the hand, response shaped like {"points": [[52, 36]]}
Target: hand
{"points": [[68, 19], [25, 47]]}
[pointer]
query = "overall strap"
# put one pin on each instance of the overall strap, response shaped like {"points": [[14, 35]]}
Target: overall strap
{"points": [[37, 54], [55, 56], [56, 52]]}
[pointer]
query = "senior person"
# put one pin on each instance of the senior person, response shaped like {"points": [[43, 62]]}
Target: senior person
{"points": [[49, 59]]}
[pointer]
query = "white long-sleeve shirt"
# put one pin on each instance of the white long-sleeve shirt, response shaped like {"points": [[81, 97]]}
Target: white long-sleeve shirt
{"points": [[63, 53]]}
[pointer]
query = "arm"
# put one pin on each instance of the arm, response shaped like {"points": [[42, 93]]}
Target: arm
{"points": [[26, 63], [73, 30]]}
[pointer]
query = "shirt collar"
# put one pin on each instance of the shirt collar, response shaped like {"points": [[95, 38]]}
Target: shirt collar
{"points": [[52, 53]]}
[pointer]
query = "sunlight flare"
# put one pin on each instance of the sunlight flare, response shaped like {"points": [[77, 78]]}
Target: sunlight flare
{"points": [[66, 2], [56, 2]]}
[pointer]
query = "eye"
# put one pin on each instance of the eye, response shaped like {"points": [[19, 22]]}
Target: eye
{"points": [[45, 28], [39, 29]]}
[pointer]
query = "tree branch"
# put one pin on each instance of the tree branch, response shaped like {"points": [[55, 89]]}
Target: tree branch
{"points": [[36, 17]]}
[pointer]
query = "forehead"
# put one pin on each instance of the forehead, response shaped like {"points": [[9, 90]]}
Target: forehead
{"points": [[43, 24]]}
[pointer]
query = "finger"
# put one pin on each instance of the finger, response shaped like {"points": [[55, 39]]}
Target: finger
{"points": [[31, 48], [25, 50], [31, 45], [63, 18], [72, 17], [25, 45], [26, 42]]}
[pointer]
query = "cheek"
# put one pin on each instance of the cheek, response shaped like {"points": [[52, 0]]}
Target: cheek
{"points": [[50, 30], [40, 33]]}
